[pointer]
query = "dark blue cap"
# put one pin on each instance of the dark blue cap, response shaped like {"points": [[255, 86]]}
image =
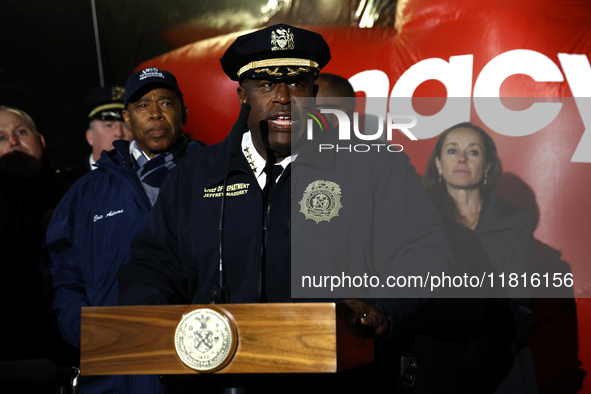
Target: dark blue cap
{"points": [[148, 79], [103, 103], [278, 52]]}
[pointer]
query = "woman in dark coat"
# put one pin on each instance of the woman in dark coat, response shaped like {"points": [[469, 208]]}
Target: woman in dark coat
{"points": [[476, 342]]}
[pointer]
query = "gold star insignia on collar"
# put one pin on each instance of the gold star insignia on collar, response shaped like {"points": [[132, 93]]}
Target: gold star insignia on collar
{"points": [[250, 159]]}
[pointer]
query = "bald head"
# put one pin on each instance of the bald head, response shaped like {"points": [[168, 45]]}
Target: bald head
{"points": [[332, 85], [19, 133], [335, 92]]}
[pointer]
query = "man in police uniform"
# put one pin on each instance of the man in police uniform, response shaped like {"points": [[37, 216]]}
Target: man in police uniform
{"points": [[101, 109], [175, 259]]}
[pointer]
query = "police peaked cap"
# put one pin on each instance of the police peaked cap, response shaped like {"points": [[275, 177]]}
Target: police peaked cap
{"points": [[279, 52], [102, 103]]}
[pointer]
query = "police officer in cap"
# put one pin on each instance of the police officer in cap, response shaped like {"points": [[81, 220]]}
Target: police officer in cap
{"points": [[274, 67], [245, 181], [101, 109]]}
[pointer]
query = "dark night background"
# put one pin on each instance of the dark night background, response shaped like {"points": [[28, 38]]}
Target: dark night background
{"points": [[48, 56]]}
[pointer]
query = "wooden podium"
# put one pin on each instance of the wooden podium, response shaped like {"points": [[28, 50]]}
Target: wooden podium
{"points": [[272, 338]]}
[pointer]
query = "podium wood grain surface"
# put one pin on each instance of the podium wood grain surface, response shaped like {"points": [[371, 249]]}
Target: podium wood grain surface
{"points": [[272, 338]]}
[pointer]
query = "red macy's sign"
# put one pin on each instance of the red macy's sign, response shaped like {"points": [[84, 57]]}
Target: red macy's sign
{"points": [[456, 75]]}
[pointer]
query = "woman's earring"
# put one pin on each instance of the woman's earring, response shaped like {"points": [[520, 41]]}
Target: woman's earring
{"points": [[439, 178], [485, 180]]}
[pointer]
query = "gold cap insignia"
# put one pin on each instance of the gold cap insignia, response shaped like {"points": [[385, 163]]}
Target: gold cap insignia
{"points": [[118, 93], [106, 107], [321, 201], [282, 40], [270, 72]]}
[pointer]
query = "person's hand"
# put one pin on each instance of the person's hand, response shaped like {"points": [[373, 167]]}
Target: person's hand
{"points": [[365, 319]]}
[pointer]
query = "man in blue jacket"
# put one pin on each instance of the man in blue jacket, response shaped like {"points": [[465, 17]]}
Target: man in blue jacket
{"points": [[89, 235], [175, 260]]}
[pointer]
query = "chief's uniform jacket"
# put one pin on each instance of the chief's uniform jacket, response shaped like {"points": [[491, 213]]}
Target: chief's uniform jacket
{"points": [[175, 258], [88, 240]]}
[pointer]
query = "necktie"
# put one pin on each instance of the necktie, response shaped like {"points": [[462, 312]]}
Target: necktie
{"points": [[273, 172]]}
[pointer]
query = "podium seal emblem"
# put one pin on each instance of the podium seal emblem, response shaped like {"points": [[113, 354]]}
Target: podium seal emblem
{"points": [[321, 201], [205, 340]]}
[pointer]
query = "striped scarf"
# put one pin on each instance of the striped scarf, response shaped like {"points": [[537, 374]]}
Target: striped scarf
{"points": [[151, 172]]}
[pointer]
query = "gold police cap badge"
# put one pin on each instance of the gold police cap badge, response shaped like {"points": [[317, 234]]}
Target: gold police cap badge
{"points": [[321, 201], [282, 39], [205, 339], [118, 93]]}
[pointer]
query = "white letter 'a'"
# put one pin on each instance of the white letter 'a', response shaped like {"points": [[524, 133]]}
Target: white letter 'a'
{"points": [[488, 103], [457, 78]]}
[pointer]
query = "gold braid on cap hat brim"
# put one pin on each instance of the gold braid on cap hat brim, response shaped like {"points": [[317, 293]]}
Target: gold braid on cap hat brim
{"points": [[278, 63], [106, 106]]}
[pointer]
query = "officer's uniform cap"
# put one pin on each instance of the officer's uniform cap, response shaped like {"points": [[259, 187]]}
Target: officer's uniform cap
{"points": [[279, 52], [102, 103]]}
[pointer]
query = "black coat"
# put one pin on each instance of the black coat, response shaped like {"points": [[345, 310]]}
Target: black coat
{"points": [[467, 345], [29, 192]]}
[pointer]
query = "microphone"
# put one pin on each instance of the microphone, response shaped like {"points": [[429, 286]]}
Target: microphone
{"points": [[219, 292]]}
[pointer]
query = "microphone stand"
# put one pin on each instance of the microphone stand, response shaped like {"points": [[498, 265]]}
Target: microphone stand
{"points": [[219, 292]]}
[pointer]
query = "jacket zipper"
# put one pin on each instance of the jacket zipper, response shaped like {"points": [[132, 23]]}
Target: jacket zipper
{"points": [[262, 260]]}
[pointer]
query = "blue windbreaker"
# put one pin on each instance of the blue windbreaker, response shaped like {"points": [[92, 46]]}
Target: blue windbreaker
{"points": [[88, 241]]}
